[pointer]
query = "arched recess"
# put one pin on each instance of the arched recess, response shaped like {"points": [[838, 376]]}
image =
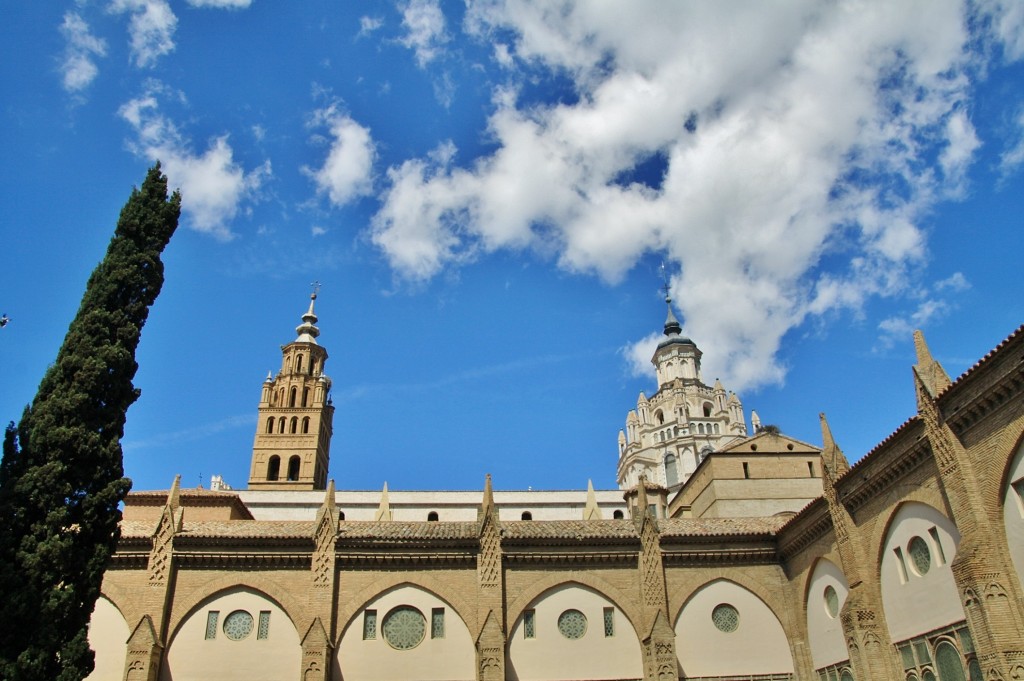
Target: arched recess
{"points": [[1012, 493], [514, 611], [430, 641], [238, 632], [919, 593], [826, 593], [722, 618], [567, 637], [444, 590], [108, 638]]}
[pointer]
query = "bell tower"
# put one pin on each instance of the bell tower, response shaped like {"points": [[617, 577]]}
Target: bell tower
{"points": [[293, 432]]}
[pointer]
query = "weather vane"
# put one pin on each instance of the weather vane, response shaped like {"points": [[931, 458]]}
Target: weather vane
{"points": [[665, 280]]}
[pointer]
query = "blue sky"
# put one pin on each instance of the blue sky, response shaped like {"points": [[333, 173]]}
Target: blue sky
{"points": [[487, 192]]}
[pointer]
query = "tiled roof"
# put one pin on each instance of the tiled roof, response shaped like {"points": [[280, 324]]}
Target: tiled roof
{"points": [[1009, 339], [582, 530], [406, 531], [719, 527]]}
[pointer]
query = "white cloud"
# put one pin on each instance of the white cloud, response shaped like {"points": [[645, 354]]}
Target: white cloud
{"points": [[221, 4], [895, 329], [347, 173], [784, 133], [955, 282], [424, 24], [213, 185], [317, 230], [1008, 16], [78, 68], [1011, 159], [151, 28], [368, 25]]}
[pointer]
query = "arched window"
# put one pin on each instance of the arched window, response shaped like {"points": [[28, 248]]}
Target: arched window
{"points": [[293, 468], [298, 364], [273, 468], [280, 425], [527, 515], [305, 425], [671, 471], [305, 397], [707, 409], [700, 428], [618, 515], [716, 429], [291, 400], [341, 515], [432, 517], [270, 424], [947, 659], [295, 424], [659, 417]]}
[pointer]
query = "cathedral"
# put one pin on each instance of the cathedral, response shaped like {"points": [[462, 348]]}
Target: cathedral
{"points": [[727, 553]]}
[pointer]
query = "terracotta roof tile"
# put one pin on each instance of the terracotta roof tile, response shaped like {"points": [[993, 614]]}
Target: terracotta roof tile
{"points": [[406, 531], [719, 527], [568, 529]]}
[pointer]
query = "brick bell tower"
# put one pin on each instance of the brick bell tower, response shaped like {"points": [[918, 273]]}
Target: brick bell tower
{"points": [[293, 432]]}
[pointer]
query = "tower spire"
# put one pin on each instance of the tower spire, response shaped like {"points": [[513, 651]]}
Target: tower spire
{"points": [[308, 330], [672, 326]]}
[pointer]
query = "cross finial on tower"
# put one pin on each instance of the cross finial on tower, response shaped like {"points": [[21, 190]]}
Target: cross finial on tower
{"points": [[665, 282], [316, 287]]}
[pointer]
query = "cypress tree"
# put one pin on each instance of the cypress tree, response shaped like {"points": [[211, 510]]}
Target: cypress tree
{"points": [[62, 475]]}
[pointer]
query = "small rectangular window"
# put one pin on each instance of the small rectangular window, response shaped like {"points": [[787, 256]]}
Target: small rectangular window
{"points": [[940, 555], [211, 624], [921, 650], [609, 622], [437, 623], [901, 565], [529, 624], [907, 656], [746, 470], [810, 468], [369, 624], [264, 629]]}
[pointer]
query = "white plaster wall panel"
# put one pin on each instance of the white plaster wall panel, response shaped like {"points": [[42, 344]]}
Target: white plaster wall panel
{"points": [[1013, 513], [551, 656], [916, 603], [757, 646], [825, 630], [191, 656], [108, 638], [451, 658]]}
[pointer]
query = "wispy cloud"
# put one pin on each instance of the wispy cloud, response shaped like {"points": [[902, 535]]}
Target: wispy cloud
{"points": [[190, 434], [368, 25], [78, 66], [213, 185], [150, 30], [221, 4], [425, 31]]}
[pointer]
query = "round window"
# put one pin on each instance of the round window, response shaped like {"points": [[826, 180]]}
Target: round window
{"points": [[831, 601], [404, 627], [238, 625], [726, 618], [572, 624], [920, 555]]}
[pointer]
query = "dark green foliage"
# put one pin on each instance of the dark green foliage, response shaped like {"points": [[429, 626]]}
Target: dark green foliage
{"points": [[61, 477]]}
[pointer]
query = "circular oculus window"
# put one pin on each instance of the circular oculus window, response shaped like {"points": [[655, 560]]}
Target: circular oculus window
{"points": [[238, 625], [726, 618], [920, 555], [572, 624], [831, 601], [404, 627]]}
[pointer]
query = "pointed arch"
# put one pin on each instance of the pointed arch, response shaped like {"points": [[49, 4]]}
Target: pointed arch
{"points": [[439, 589], [292, 396], [825, 636], [1011, 505], [294, 464], [707, 641], [516, 608], [291, 604]]}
